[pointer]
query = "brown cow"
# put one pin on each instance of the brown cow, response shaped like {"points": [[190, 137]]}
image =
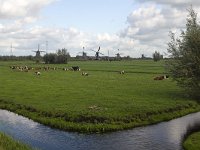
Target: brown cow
{"points": [[161, 77]]}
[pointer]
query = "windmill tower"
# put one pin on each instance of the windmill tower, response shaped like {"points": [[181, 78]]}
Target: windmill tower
{"points": [[118, 55], [97, 53], [37, 54], [84, 54]]}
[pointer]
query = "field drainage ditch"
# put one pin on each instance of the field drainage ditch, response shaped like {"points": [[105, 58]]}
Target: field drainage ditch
{"points": [[165, 135]]}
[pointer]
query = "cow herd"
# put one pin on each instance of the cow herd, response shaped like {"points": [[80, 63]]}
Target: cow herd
{"points": [[37, 70]]}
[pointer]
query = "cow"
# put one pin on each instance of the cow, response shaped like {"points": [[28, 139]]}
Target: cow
{"points": [[161, 77], [46, 68], [54, 68], [76, 68], [122, 72], [37, 73], [84, 74], [65, 69], [13, 67], [26, 67]]}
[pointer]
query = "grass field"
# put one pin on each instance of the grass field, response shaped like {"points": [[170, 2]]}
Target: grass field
{"points": [[103, 101], [192, 142], [8, 143]]}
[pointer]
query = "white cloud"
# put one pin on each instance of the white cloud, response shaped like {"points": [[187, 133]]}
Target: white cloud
{"points": [[144, 20], [26, 40], [10, 9], [149, 26], [151, 22], [147, 29]]}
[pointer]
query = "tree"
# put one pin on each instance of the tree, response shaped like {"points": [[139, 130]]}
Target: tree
{"points": [[50, 58], [60, 57], [184, 65], [157, 56]]}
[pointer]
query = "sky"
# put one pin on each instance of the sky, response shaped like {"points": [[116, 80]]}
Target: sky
{"points": [[134, 27]]}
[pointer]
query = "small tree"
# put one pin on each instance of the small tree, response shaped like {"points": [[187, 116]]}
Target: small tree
{"points": [[157, 56], [184, 65]]}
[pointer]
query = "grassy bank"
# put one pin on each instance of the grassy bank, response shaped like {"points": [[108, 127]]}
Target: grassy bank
{"points": [[8, 143], [192, 137], [192, 142], [103, 101]]}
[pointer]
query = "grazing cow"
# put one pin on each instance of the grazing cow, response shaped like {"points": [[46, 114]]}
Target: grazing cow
{"points": [[161, 77], [46, 68], [122, 72], [37, 73], [30, 68], [26, 67], [65, 69], [13, 67], [76, 68], [54, 68], [84, 74]]}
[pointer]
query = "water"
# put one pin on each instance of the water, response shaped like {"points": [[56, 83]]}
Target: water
{"points": [[165, 136]]}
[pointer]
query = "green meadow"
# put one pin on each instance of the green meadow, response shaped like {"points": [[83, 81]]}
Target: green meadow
{"points": [[103, 101]]}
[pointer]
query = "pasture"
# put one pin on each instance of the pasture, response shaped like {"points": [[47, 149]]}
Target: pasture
{"points": [[105, 100]]}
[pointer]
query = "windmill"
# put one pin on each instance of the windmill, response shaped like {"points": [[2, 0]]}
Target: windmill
{"points": [[84, 54], [97, 53], [118, 55], [143, 56], [37, 54]]}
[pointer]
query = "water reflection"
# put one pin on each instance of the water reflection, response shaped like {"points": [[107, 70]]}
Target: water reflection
{"points": [[165, 136]]}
